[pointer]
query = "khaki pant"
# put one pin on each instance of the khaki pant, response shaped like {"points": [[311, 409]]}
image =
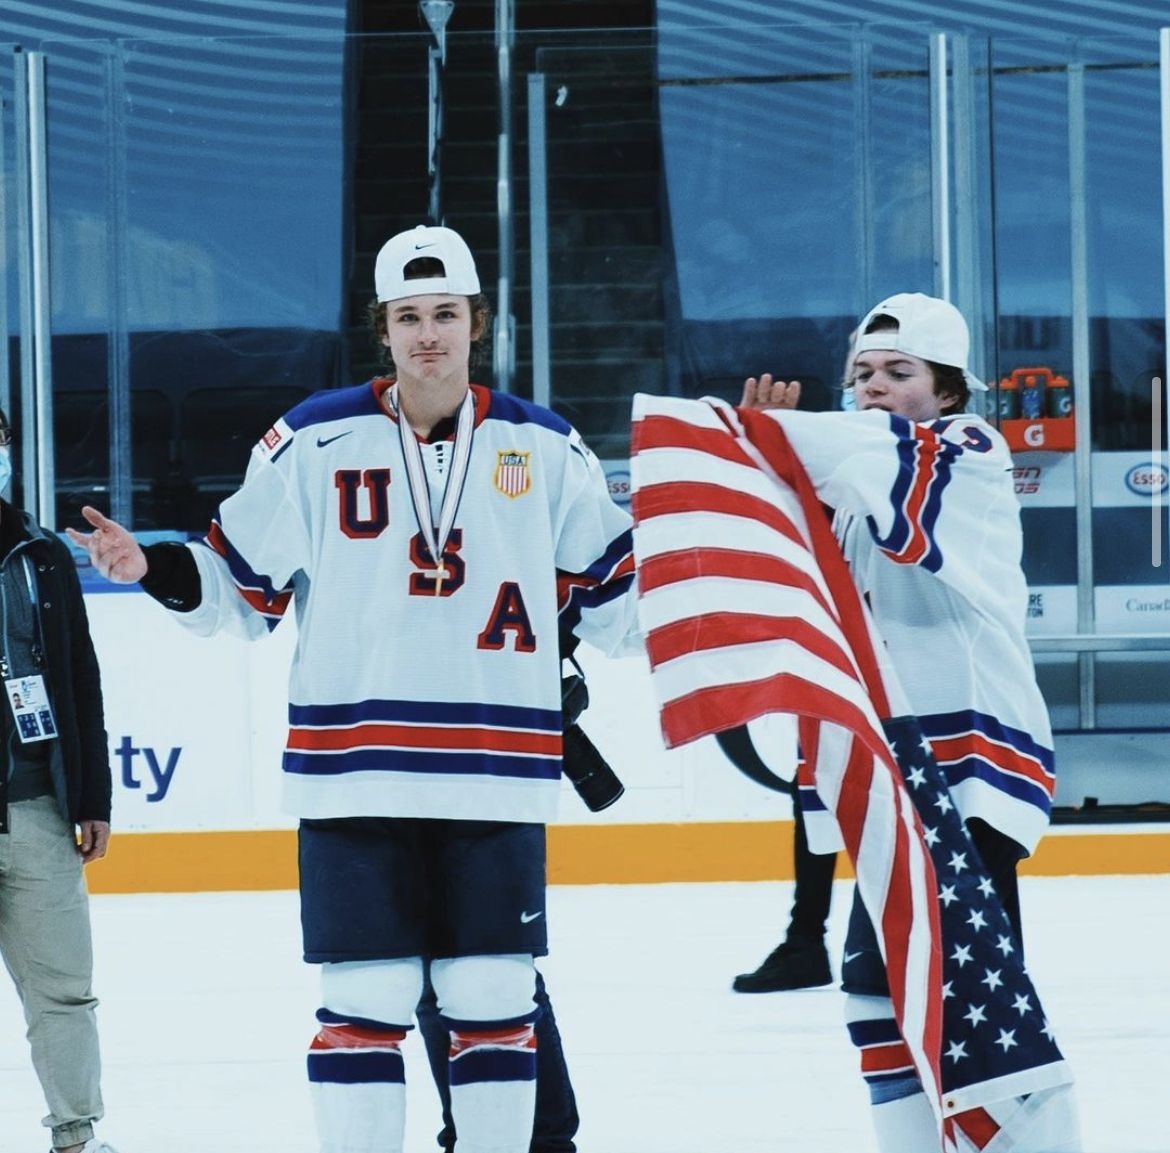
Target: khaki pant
{"points": [[46, 945]]}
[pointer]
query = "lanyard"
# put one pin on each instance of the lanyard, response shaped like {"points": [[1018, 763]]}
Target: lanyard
{"points": [[5, 671], [416, 476]]}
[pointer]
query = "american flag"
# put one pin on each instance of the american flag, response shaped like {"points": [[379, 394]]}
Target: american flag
{"points": [[994, 1027], [748, 609]]}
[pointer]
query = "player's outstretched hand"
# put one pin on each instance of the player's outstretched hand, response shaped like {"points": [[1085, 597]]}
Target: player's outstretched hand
{"points": [[113, 551], [764, 392]]}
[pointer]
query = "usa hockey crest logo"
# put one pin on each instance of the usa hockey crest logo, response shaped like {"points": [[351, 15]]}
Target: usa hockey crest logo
{"points": [[512, 476]]}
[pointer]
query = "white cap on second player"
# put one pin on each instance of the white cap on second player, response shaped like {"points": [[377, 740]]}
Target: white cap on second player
{"points": [[458, 277], [928, 327]]}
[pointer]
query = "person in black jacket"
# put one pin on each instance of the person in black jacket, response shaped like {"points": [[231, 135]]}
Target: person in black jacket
{"points": [[55, 792]]}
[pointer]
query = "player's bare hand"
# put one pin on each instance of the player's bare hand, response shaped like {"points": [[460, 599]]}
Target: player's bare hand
{"points": [[113, 551], [766, 392]]}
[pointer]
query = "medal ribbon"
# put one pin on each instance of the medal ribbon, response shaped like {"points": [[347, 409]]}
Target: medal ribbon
{"points": [[416, 476]]}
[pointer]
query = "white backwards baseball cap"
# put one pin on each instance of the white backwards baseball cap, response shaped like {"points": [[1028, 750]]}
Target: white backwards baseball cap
{"points": [[928, 327], [458, 278]]}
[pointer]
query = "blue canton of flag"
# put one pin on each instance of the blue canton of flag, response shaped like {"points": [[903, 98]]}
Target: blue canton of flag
{"points": [[993, 1023]]}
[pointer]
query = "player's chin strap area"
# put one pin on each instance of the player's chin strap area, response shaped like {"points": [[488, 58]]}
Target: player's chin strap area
{"points": [[738, 748]]}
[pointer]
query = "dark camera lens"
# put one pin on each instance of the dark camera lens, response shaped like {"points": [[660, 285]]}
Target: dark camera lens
{"points": [[574, 699], [596, 783]]}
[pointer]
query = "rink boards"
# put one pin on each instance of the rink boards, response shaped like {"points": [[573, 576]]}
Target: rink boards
{"points": [[196, 729]]}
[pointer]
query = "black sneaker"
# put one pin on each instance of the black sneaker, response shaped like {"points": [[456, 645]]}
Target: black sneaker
{"points": [[791, 965]]}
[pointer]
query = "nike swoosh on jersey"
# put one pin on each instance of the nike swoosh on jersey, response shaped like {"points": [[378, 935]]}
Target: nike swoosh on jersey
{"points": [[526, 918], [322, 441]]}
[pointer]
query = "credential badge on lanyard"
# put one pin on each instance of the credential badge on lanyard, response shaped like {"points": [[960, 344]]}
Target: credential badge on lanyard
{"points": [[28, 697]]}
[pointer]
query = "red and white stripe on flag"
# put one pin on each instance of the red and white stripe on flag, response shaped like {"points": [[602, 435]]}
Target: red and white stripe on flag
{"points": [[748, 608]]}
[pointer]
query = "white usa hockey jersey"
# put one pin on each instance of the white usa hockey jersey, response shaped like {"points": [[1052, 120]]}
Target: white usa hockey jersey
{"points": [[410, 696], [927, 517]]}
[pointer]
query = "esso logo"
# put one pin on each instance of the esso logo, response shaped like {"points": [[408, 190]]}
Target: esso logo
{"points": [[1147, 479], [619, 486]]}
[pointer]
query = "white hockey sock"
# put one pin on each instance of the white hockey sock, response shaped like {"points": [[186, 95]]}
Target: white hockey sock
{"points": [[493, 1089], [358, 1086], [906, 1125]]}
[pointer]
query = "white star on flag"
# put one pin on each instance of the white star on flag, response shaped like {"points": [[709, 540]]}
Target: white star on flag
{"points": [[975, 1014]]}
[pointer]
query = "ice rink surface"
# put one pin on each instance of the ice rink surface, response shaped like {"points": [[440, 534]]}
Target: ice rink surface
{"points": [[206, 1011]]}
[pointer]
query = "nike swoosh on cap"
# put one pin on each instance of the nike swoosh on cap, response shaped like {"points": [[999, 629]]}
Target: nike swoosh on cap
{"points": [[525, 918], [322, 441]]}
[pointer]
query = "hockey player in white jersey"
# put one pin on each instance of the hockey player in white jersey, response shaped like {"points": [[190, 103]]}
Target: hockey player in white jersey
{"points": [[927, 518], [432, 538]]}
